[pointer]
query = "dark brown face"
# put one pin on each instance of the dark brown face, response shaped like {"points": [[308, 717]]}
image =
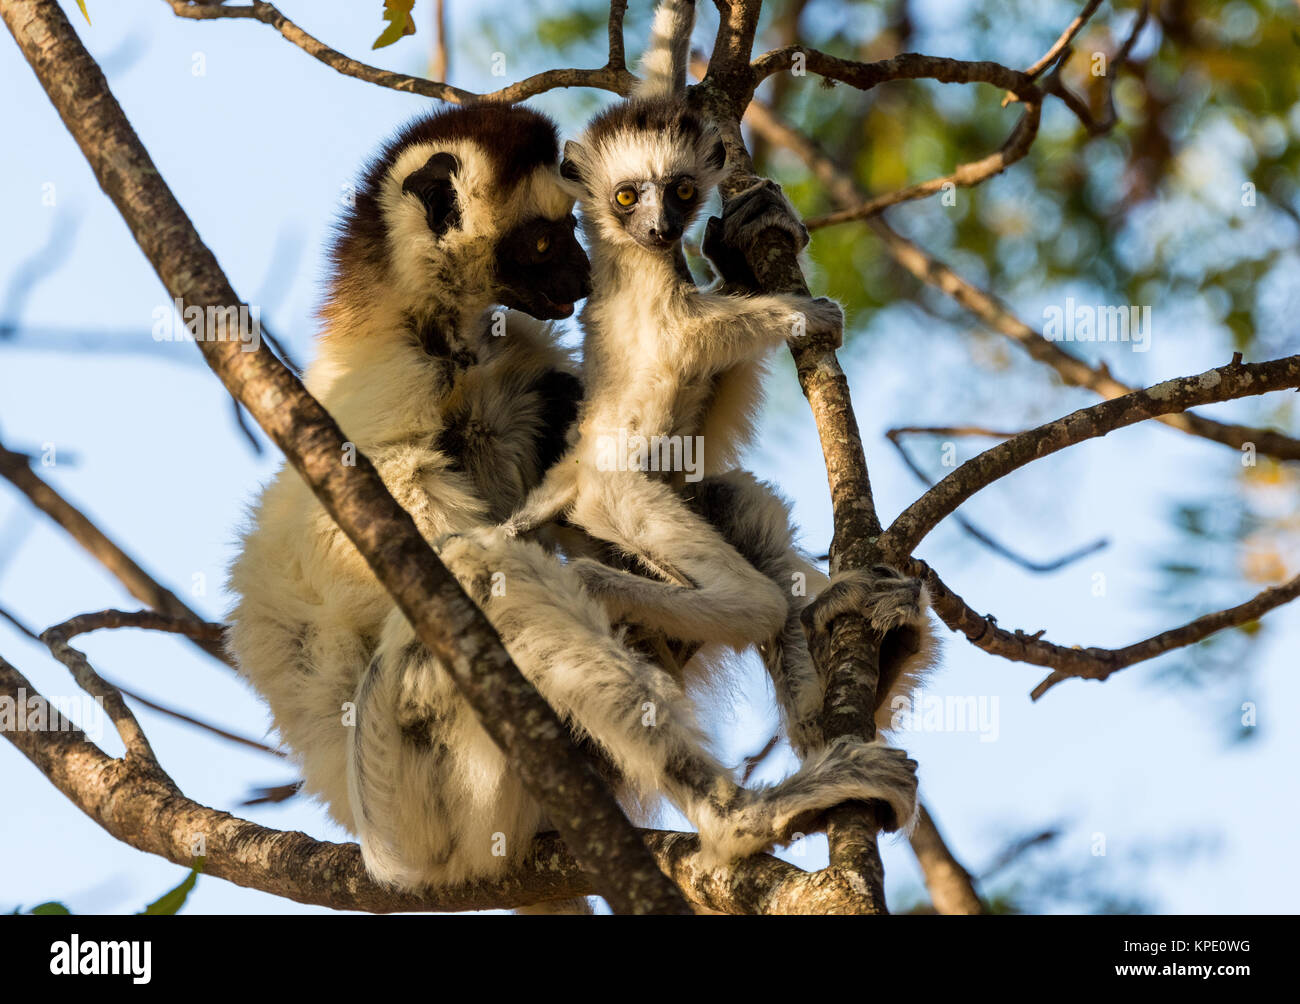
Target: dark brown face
{"points": [[656, 213], [541, 268]]}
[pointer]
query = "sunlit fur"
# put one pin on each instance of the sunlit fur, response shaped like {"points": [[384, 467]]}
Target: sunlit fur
{"points": [[664, 358], [459, 435]]}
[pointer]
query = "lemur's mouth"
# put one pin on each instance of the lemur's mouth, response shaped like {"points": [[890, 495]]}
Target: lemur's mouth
{"points": [[561, 310]]}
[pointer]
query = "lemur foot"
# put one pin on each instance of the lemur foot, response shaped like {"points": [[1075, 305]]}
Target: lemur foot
{"points": [[758, 207], [885, 596], [822, 317], [893, 603], [729, 239], [847, 770]]}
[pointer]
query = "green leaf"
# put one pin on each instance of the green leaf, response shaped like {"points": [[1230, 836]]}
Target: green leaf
{"points": [[398, 15], [50, 909], [171, 902], [82, 5]]}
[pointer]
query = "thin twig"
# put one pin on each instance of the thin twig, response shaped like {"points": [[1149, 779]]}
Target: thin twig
{"points": [[895, 438], [604, 78], [1067, 36], [14, 467], [1087, 663], [985, 306]]}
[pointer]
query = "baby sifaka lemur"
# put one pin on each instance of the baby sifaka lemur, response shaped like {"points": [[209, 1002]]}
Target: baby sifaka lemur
{"points": [[462, 407], [666, 364]]}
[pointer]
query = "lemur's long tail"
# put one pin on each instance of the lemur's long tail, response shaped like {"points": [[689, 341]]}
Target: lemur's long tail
{"points": [[663, 67]]}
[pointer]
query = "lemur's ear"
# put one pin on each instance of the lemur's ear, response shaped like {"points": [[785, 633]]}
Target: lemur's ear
{"points": [[432, 185], [717, 157], [573, 155]]}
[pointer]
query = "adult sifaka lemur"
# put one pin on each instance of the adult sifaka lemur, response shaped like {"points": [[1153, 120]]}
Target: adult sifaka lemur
{"points": [[465, 211]]}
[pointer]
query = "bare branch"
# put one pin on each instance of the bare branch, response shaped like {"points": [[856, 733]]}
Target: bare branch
{"points": [[1062, 43], [895, 438], [1237, 379], [996, 315], [536, 744], [904, 66], [1077, 105], [14, 467], [438, 62], [966, 175], [148, 619], [617, 56], [952, 890], [613, 79], [1088, 663], [133, 737]]}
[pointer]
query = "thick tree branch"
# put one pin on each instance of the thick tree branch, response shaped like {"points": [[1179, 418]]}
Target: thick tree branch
{"points": [[455, 631], [606, 78], [853, 662], [952, 891], [134, 800]]}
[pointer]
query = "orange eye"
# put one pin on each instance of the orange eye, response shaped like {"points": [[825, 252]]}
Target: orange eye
{"points": [[625, 196], [686, 190], [543, 245]]}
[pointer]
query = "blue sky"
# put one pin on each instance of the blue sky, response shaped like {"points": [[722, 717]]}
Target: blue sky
{"points": [[258, 150]]}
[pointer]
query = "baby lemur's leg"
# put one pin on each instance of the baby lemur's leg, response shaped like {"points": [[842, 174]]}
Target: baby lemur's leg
{"points": [[754, 519], [719, 597], [562, 642], [894, 604]]}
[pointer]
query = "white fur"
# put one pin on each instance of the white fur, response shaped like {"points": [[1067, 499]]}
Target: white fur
{"points": [[382, 735]]}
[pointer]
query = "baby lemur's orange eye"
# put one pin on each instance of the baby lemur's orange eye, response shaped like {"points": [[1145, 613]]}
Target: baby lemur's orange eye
{"points": [[625, 196], [685, 190], [543, 245]]}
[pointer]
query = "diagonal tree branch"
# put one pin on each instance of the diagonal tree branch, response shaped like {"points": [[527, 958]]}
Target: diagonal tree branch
{"points": [[966, 175], [1062, 43], [1237, 379], [1087, 663], [994, 314], [952, 890], [16, 469], [537, 746]]}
